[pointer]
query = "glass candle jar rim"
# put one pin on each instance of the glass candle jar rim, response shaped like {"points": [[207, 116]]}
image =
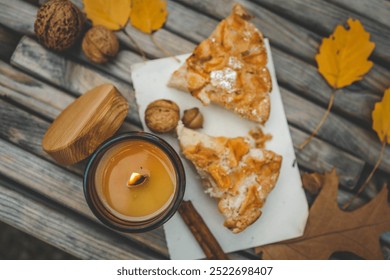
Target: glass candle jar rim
{"points": [[108, 218]]}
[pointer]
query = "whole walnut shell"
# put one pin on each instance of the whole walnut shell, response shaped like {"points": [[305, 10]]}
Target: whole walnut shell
{"points": [[100, 44], [162, 116], [58, 24]]}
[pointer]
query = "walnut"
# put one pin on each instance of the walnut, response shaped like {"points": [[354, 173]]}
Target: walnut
{"points": [[192, 118], [162, 115], [58, 25], [100, 44]]}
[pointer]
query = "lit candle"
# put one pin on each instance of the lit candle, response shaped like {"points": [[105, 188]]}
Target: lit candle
{"points": [[138, 182], [138, 202]]}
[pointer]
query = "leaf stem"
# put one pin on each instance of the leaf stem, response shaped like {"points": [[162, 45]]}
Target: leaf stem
{"points": [[140, 51], [324, 117], [166, 52], [363, 186]]}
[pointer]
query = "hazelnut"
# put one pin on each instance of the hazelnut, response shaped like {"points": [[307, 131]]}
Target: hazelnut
{"points": [[58, 24], [162, 115], [192, 118], [100, 44]]}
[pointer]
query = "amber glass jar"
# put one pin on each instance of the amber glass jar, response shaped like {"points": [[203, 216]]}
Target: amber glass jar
{"points": [[146, 206]]}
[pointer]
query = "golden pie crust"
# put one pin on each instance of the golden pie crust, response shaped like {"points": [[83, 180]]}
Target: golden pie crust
{"points": [[229, 69], [234, 171]]}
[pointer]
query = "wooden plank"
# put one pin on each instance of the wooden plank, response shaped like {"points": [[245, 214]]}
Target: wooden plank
{"points": [[283, 34], [32, 104], [173, 44], [37, 96], [336, 130], [26, 130], [303, 78], [61, 186], [44, 177], [192, 25], [277, 28], [118, 68], [22, 128], [319, 156], [323, 16], [37, 60], [8, 42], [18, 15], [28, 86], [377, 10], [64, 230], [376, 183]]}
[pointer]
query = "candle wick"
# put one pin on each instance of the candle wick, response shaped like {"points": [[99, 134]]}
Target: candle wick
{"points": [[137, 179]]}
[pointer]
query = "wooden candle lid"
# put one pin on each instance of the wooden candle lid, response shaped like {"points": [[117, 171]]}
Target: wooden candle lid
{"points": [[85, 124]]}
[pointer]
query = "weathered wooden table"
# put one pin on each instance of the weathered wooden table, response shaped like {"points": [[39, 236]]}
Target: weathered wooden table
{"points": [[46, 200]]}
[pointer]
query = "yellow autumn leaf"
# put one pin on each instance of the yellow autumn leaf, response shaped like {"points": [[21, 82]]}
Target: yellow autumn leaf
{"points": [[343, 57], [381, 118], [148, 15], [112, 14], [381, 124]]}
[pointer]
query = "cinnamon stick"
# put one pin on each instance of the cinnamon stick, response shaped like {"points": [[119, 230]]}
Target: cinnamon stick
{"points": [[201, 232]]}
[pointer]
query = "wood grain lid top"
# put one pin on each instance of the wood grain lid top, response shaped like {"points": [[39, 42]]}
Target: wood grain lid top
{"points": [[85, 124]]}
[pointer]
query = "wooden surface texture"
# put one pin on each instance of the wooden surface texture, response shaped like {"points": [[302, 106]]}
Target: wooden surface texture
{"points": [[46, 200]]}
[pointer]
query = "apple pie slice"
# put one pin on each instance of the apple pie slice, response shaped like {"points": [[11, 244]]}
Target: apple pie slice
{"points": [[229, 69], [235, 172]]}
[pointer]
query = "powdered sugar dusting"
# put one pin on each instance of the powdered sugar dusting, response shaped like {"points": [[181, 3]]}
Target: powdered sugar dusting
{"points": [[256, 154], [234, 62], [225, 78]]}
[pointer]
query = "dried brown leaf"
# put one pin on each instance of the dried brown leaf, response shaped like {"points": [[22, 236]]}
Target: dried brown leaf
{"points": [[329, 229]]}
